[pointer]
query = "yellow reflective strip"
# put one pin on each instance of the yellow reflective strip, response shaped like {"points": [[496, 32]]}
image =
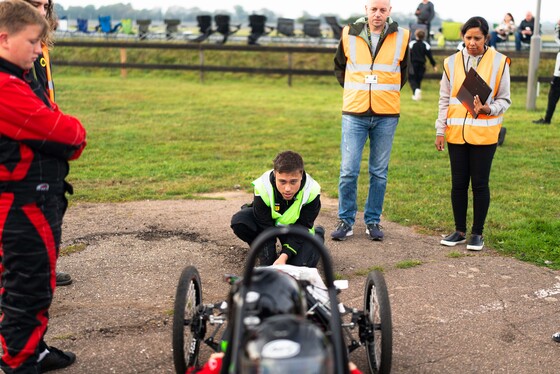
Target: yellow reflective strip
{"points": [[290, 248]]}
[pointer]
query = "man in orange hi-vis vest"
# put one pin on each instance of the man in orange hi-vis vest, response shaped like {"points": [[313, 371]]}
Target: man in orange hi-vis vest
{"points": [[371, 65]]}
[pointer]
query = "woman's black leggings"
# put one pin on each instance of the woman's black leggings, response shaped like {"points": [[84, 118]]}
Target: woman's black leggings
{"points": [[470, 163]]}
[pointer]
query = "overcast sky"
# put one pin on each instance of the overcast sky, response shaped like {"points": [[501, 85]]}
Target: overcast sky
{"points": [[458, 10]]}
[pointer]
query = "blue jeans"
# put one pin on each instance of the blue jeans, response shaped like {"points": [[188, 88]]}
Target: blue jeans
{"points": [[495, 39], [521, 38], [355, 132]]}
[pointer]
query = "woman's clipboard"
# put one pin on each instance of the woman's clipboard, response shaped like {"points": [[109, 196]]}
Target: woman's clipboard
{"points": [[473, 85]]}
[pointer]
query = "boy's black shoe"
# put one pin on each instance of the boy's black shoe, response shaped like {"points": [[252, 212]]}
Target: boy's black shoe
{"points": [[63, 279], [556, 337], [476, 243], [56, 359], [453, 239]]}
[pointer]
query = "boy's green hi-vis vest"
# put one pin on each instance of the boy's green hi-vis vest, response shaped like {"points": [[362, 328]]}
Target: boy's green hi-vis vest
{"points": [[265, 190]]}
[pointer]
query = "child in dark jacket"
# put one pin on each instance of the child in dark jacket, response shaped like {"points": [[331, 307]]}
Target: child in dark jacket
{"points": [[419, 50]]}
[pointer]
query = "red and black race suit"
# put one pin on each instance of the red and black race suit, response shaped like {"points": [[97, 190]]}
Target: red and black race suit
{"points": [[36, 142]]}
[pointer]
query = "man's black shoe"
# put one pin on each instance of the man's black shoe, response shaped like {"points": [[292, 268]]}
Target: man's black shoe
{"points": [[542, 121], [63, 279], [56, 359]]}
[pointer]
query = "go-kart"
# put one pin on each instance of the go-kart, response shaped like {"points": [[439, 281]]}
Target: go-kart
{"points": [[346, 328]]}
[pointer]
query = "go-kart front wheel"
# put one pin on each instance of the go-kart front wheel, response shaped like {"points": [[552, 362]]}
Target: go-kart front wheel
{"points": [[377, 310], [186, 321]]}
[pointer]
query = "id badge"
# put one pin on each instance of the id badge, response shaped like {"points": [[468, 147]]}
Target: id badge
{"points": [[371, 79]]}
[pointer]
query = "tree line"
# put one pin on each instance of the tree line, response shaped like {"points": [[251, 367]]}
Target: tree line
{"points": [[238, 15]]}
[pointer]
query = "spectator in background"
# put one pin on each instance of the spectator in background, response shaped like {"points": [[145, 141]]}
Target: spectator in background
{"points": [[419, 51], [425, 13], [503, 30], [557, 32], [554, 93], [525, 31]]}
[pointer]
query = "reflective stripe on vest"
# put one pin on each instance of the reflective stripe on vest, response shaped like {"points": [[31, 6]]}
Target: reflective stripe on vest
{"points": [[265, 190], [50, 83], [461, 126], [383, 97]]}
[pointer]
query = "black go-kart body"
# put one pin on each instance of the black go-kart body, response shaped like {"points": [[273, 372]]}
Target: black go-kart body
{"points": [[345, 328]]}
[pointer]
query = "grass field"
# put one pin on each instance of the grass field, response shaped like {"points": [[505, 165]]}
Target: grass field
{"points": [[172, 138]]}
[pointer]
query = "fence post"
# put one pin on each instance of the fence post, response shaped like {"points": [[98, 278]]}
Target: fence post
{"points": [[290, 69], [123, 61], [201, 59]]}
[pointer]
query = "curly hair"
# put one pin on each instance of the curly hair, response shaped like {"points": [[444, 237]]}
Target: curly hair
{"points": [[52, 20]]}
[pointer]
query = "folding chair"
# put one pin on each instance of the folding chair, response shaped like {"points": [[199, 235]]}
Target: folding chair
{"points": [[223, 26], [171, 28], [127, 26], [258, 28], [285, 26], [451, 31], [312, 28], [105, 25], [335, 27], [204, 27], [83, 25], [62, 26], [143, 28]]}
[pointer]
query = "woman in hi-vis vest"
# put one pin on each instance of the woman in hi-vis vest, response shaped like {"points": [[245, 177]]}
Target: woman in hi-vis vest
{"points": [[472, 141]]}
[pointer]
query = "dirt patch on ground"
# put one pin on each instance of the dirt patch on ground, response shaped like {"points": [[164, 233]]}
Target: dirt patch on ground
{"points": [[455, 312]]}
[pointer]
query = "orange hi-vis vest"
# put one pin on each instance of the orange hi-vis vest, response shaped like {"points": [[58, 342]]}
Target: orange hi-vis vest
{"points": [[382, 97], [47, 66], [461, 126]]}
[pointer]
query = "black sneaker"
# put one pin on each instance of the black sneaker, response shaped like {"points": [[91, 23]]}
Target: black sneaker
{"points": [[556, 337], [63, 279], [320, 233], [542, 121], [453, 239], [476, 243], [373, 230], [56, 359], [342, 231]]}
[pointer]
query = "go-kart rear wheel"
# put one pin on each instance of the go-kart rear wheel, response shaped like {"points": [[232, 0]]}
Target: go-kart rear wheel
{"points": [[377, 310], [186, 321]]}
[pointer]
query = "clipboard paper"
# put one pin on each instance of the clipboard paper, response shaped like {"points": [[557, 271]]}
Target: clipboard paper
{"points": [[473, 85]]}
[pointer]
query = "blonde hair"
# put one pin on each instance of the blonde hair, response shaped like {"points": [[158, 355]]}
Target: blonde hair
{"points": [[16, 15]]}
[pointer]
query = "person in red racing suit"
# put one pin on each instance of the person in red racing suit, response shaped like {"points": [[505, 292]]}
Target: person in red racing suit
{"points": [[36, 142]]}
